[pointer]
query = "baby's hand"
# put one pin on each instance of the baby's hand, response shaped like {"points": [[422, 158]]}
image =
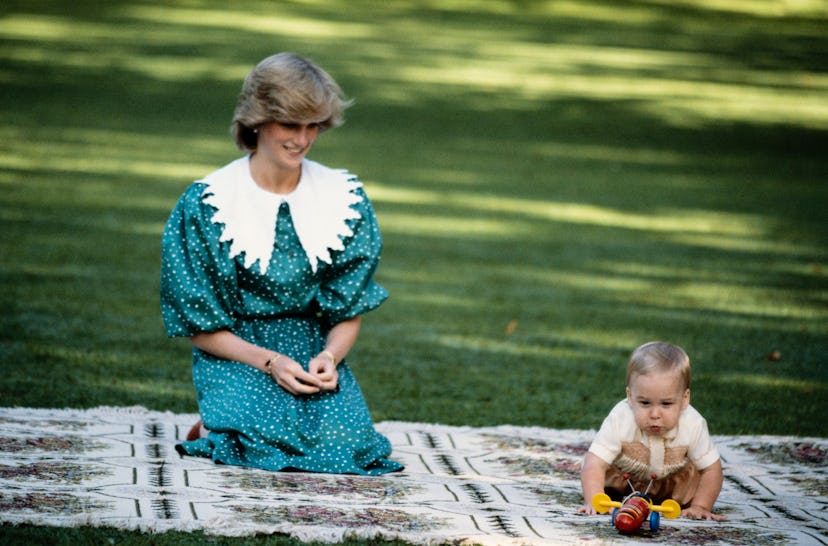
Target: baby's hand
{"points": [[587, 509], [697, 512]]}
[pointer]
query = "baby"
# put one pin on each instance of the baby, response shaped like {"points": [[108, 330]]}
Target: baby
{"points": [[655, 432]]}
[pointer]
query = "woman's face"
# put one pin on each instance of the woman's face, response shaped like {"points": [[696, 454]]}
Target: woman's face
{"points": [[657, 400], [286, 144]]}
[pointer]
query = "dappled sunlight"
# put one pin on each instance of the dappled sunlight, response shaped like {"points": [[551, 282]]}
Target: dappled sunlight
{"points": [[747, 300], [586, 281], [446, 176], [556, 182], [451, 226], [182, 391], [658, 272], [603, 12], [437, 299], [416, 275], [734, 103], [65, 272], [587, 345], [157, 67], [163, 20], [613, 341], [107, 152], [659, 220], [505, 347], [510, 338], [144, 228], [770, 381], [429, 276], [748, 244], [108, 166], [66, 30], [653, 286], [123, 388], [102, 46], [535, 72], [637, 13], [680, 87], [756, 8], [641, 155], [278, 21], [507, 69]]}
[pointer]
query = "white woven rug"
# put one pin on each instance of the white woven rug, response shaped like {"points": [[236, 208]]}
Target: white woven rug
{"points": [[502, 485]]}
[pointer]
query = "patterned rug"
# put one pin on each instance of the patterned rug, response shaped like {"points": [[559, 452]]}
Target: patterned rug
{"points": [[117, 467]]}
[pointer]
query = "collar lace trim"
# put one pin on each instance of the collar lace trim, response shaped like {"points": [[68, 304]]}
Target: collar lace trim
{"points": [[320, 206]]}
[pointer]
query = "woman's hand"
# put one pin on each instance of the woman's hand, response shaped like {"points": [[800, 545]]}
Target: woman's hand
{"points": [[290, 375], [323, 368]]}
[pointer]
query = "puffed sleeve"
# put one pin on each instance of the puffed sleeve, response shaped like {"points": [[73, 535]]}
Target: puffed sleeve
{"points": [[198, 279], [701, 451], [348, 288], [607, 443]]}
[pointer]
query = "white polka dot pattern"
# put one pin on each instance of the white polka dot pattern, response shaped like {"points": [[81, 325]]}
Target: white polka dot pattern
{"points": [[289, 309]]}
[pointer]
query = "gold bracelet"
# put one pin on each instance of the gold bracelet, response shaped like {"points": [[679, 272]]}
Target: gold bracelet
{"points": [[329, 355], [269, 364]]}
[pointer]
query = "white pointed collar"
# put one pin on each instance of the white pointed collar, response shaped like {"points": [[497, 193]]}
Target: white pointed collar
{"points": [[319, 207]]}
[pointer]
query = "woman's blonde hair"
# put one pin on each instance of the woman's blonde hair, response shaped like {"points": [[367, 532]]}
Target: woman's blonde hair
{"points": [[286, 88], [658, 356]]}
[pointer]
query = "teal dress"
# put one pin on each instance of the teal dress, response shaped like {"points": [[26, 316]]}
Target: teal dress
{"points": [[288, 308]]}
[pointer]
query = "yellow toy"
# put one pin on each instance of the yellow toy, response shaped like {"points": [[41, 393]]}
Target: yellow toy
{"points": [[629, 515]]}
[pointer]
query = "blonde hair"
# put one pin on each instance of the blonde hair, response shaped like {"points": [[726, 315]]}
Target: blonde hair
{"points": [[659, 356], [286, 88]]}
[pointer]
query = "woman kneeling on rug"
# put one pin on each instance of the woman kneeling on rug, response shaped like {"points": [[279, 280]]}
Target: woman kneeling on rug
{"points": [[267, 266]]}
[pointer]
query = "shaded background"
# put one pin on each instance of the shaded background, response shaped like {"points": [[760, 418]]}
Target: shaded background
{"points": [[557, 183]]}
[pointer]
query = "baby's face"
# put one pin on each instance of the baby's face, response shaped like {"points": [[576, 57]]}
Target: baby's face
{"points": [[657, 400]]}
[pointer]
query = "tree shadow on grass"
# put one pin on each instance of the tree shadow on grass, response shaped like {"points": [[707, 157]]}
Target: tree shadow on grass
{"points": [[596, 175]]}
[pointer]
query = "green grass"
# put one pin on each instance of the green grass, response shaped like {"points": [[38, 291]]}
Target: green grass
{"points": [[557, 182]]}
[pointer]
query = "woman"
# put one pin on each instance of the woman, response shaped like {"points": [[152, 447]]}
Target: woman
{"points": [[267, 266]]}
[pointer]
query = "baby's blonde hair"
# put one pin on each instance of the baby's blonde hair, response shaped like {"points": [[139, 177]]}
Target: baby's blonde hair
{"points": [[659, 356], [286, 88]]}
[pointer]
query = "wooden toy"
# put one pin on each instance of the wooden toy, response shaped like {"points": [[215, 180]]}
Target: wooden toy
{"points": [[629, 515]]}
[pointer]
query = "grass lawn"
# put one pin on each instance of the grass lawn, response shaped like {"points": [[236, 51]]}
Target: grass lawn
{"points": [[557, 183]]}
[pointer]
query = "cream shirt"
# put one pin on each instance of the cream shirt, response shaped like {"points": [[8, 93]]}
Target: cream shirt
{"points": [[691, 434]]}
